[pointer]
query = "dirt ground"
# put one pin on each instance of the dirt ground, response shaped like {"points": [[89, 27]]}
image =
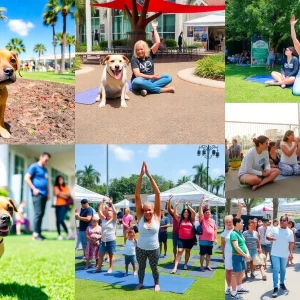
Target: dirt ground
{"points": [[40, 112]]}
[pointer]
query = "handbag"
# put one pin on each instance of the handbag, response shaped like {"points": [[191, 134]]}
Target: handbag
{"points": [[69, 201], [199, 229]]}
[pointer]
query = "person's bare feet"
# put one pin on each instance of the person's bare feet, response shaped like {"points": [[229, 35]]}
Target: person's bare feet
{"points": [[209, 268], [254, 187], [168, 90], [98, 270], [156, 288], [109, 270], [134, 273], [139, 286], [202, 269]]}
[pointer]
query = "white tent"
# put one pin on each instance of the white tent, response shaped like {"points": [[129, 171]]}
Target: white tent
{"points": [[190, 192], [263, 208], [124, 204], [83, 193], [291, 207], [212, 20]]}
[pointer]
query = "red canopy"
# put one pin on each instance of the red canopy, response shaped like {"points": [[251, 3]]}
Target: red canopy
{"points": [[267, 208], [162, 6]]}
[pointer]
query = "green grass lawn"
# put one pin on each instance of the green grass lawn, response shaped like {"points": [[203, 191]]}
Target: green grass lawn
{"points": [[240, 90], [202, 288], [31, 270], [50, 76]]}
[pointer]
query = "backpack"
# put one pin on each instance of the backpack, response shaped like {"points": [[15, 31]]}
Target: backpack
{"points": [[199, 229]]}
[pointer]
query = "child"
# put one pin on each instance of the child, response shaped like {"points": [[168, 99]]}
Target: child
{"points": [[93, 235], [270, 60], [129, 251]]}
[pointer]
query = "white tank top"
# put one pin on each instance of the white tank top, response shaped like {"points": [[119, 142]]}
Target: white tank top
{"points": [[148, 237]]}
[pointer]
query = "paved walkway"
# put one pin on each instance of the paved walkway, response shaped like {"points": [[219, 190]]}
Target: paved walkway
{"points": [[194, 114], [261, 290]]}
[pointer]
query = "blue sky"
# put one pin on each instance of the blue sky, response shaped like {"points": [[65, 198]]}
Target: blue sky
{"points": [[170, 161], [25, 21]]}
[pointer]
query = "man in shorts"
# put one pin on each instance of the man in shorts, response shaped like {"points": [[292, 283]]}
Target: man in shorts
{"points": [[163, 232]]}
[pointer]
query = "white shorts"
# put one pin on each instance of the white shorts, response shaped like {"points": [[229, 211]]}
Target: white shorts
{"points": [[228, 261]]}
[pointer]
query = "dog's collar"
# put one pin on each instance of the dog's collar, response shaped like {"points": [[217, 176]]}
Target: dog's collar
{"points": [[1, 241]]}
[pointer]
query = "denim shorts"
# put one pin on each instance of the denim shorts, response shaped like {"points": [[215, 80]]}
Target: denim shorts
{"points": [[175, 239], [129, 259], [82, 238], [266, 248], [252, 253], [163, 236], [109, 247], [238, 263]]}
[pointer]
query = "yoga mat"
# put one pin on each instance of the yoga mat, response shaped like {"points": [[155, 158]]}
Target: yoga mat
{"points": [[262, 79], [196, 272], [87, 97], [169, 267], [168, 283]]}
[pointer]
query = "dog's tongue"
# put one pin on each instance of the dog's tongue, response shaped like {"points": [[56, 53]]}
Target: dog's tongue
{"points": [[4, 229], [117, 75]]}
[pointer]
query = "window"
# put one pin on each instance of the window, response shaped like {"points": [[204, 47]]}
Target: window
{"points": [[55, 173], [19, 168]]}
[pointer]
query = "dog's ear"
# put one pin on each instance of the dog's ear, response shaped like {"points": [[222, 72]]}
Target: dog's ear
{"points": [[15, 56], [126, 59], [13, 204], [106, 59]]}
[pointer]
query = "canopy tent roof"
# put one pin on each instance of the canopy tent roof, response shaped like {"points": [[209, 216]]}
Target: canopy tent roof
{"points": [[210, 20], [291, 207], [190, 191], [266, 206], [162, 6], [83, 193], [124, 204]]}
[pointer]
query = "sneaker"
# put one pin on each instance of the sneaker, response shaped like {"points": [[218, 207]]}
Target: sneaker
{"points": [[185, 267], [283, 86], [236, 296], [283, 287], [243, 291], [275, 293], [252, 275], [228, 291], [60, 238], [38, 238], [43, 237], [144, 93]]}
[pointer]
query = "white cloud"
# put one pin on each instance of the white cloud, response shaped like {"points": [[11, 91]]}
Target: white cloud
{"points": [[155, 150], [121, 153], [20, 27], [183, 172], [217, 172]]}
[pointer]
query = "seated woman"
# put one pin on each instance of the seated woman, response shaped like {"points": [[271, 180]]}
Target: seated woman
{"points": [[143, 78], [289, 69], [255, 169], [290, 147], [273, 155]]}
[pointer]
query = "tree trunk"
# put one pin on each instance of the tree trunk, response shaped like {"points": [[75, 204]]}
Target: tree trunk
{"points": [[70, 57], [63, 52], [54, 49], [77, 31], [248, 206], [275, 208], [228, 206]]}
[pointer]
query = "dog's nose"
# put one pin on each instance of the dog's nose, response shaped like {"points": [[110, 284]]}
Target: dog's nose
{"points": [[8, 71], [5, 218], [117, 66]]}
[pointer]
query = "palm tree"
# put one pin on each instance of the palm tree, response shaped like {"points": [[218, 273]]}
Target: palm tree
{"points": [[2, 11], [40, 49], [50, 18], [183, 179], [16, 45], [87, 177], [219, 182], [201, 174], [71, 41], [65, 7]]}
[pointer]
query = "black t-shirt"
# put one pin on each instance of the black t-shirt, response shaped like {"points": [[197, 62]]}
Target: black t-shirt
{"points": [[290, 69], [146, 66], [85, 212]]}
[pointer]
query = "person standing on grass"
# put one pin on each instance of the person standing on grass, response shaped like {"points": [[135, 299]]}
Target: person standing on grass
{"points": [[37, 179], [163, 232], [186, 234], [129, 251], [227, 249], [282, 250], [127, 221], [208, 237], [148, 217], [252, 242], [108, 244], [85, 219], [264, 242]]}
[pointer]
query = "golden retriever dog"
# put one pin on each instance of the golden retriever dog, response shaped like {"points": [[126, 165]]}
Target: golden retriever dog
{"points": [[113, 80], [9, 63], [7, 208]]}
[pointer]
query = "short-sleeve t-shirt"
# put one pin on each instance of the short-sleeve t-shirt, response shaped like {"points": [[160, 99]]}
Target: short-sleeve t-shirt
{"points": [[59, 200], [164, 221], [290, 160], [280, 247], [85, 212], [263, 232], [175, 226], [228, 249], [39, 178], [146, 65], [251, 239], [208, 228], [186, 230], [237, 236], [127, 219]]}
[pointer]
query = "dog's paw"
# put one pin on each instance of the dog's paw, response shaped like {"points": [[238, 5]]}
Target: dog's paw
{"points": [[98, 98], [123, 104], [102, 104], [126, 97], [4, 133]]}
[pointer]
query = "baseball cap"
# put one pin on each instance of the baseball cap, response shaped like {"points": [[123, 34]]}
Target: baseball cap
{"points": [[84, 201]]}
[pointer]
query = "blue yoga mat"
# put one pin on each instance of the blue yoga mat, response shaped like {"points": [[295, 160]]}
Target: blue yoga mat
{"points": [[87, 97], [174, 284], [262, 79]]}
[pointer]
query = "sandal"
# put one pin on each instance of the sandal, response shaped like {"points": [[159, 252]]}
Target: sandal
{"points": [[173, 272], [185, 267]]}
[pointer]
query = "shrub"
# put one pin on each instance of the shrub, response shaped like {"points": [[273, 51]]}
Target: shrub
{"points": [[3, 193], [96, 48], [121, 43], [81, 48], [171, 43], [76, 63], [103, 44], [149, 42], [212, 67]]}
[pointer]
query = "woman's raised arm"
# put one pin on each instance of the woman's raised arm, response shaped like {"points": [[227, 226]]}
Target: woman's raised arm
{"points": [[138, 201]]}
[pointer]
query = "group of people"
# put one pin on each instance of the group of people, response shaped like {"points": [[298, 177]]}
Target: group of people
{"points": [[152, 226], [262, 164], [245, 250], [240, 59]]}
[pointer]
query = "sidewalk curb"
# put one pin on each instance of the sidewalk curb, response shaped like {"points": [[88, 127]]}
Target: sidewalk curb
{"points": [[84, 70]]}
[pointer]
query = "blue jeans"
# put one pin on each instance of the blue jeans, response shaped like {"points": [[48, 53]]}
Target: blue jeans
{"points": [[279, 264], [152, 86], [82, 239]]}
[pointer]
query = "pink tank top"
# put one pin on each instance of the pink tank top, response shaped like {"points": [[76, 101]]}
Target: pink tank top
{"points": [[186, 230]]}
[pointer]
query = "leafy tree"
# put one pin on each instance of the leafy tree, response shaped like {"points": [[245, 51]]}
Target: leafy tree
{"points": [[251, 202], [88, 177], [200, 177], [16, 45], [183, 179], [70, 42], [2, 11], [40, 49]]}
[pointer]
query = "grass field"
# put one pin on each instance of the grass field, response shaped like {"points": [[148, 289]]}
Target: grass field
{"points": [[202, 288], [50, 76], [240, 90], [31, 270]]}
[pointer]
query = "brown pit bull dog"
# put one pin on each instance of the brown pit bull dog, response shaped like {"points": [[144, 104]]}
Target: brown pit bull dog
{"points": [[9, 63], [7, 208]]}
